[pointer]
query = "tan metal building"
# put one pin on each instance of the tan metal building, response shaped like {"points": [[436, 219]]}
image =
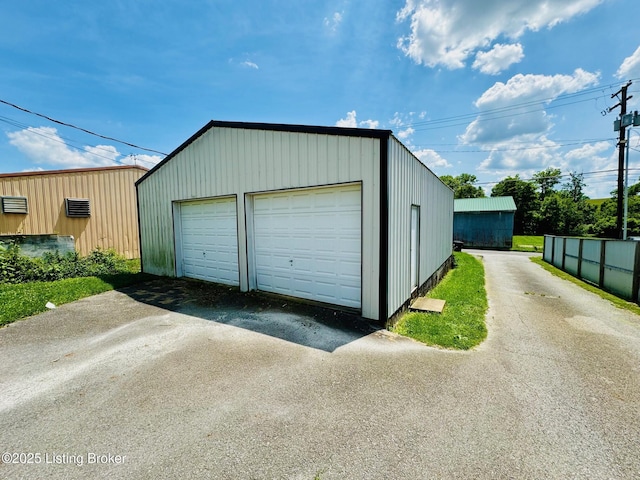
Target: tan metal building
{"points": [[97, 206], [342, 216]]}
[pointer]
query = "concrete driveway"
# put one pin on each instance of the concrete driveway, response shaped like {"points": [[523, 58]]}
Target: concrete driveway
{"points": [[178, 381]]}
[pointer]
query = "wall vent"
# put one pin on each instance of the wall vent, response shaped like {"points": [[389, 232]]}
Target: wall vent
{"points": [[77, 207], [15, 205]]}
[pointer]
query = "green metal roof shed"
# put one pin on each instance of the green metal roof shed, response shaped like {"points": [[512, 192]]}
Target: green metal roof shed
{"points": [[484, 222]]}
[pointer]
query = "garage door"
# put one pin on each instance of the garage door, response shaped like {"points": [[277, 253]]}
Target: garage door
{"points": [[209, 240], [308, 244]]}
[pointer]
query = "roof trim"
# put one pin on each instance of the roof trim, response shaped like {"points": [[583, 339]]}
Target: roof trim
{"points": [[72, 170], [275, 127]]}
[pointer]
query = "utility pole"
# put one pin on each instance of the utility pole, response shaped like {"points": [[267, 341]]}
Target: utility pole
{"points": [[621, 149]]}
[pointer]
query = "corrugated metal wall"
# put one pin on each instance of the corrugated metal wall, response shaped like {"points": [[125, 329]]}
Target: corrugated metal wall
{"points": [[614, 265], [236, 161], [484, 229], [111, 191], [412, 183]]}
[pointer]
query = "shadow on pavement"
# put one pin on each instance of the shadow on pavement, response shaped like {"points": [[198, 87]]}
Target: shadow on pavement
{"points": [[309, 325]]}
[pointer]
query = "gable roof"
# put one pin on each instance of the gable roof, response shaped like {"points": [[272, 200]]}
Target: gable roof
{"points": [[72, 170], [277, 127], [488, 204]]}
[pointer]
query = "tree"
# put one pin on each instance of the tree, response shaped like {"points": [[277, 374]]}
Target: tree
{"points": [[463, 186], [551, 219], [547, 180], [575, 186], [567, 211], [527, 203], [605, 216]]}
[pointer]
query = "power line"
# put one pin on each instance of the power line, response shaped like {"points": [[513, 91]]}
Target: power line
{"points": [[489, 114], [518, 149], [69, 142], [609, 172], [59, 122]]}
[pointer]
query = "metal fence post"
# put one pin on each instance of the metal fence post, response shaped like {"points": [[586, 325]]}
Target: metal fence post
{"points": [[603, 257], [636, 273], [579, 273]]}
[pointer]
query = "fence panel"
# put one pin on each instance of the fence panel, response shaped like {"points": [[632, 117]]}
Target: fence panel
{"points": [[618, 268], [614, 265], [591, 252], [558, 251], [572, 256], [547, 253]]}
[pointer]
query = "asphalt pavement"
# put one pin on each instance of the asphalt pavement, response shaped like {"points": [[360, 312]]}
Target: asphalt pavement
{"points": [[149, 384]]}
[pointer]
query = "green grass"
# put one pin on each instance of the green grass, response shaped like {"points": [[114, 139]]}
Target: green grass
{"points": [[596, 202], [25, 299], [461, 324], [528, 243], [617, 301]]}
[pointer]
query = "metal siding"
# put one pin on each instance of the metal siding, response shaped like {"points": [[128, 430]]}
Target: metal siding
{"points": [[113, 222], [618, 270], [558, 252], [572, 255], [591, 256], [238, 161], [548, 248], [484, 229], [411, 182]]}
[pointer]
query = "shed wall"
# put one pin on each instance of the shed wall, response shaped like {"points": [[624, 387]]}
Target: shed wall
{"points": [[484, 229], [235, 161], [412, 183], [111, 192]]}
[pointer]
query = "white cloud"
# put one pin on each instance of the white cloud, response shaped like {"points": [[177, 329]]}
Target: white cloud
{"points": [[402, 124], [499, 58], [250, 64], [532, 153], [448, 32], [588, 151], [370, 123], [630, 67], [515, 108], [431, 158], [44, 146], [350, 121], [332, 23], [536, 87], [404, 134]]}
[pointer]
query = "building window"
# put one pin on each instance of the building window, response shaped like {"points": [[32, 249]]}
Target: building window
{"points": [[77, 207], [15, 205]]}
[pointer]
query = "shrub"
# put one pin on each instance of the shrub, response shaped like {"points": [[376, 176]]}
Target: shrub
{"points": [[17, 268]]}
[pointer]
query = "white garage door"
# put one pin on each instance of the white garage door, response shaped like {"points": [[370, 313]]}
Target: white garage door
{"points": [[209, 242], [308, 244]]}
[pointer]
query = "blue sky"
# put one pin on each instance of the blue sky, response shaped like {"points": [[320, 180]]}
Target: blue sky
{"points": [[492, 87]]}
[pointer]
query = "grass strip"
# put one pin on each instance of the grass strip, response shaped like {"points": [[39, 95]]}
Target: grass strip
{"points": [[22, 300], [528, 243], [617, 301], [461, 325]]}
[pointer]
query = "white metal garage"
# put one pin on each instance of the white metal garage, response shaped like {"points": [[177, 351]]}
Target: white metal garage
{"points": [[343, 216], [208, 240], [307, 244]]}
